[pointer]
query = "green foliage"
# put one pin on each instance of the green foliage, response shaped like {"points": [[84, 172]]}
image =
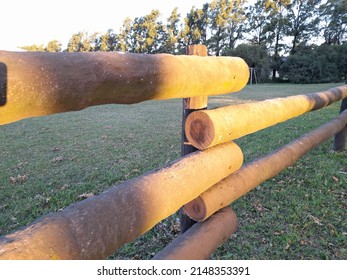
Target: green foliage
{"points": [[258, 22], [143, 34], [33, 48], [54, 46], [273, 28], [195, 26], [256, 57], [106, 42], [341, 62], [333, 15], [126, 36], [303, 21], [316, 65], [172, 38], [226, 22], [82, 42], [277, 11]]}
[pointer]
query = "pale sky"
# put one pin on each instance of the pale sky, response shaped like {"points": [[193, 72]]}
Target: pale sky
{"points": [[28, 22]]}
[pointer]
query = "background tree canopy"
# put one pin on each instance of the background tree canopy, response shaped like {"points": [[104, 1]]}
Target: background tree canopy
{"points": [[297, 40]]}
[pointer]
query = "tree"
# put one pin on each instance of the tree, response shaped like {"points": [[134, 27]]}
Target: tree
{"points": [[236, 22], [33, 48], [302, 22], [334, 17], [53, 46], [126, 38], [258, 22], [172, 38], [150, 33], [219, 14], [277, 11], [342, 60], [106, 42], [143, 34], [313, 65], [256, 57], [75, 43], [226, 20], [195, 26], [82, 42]]}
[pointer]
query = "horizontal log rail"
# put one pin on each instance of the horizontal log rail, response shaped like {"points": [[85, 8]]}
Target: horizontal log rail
{"points": [[207, 128], [203, 182], [94, 228], [38, 83], [258, 171], [202, 239]]}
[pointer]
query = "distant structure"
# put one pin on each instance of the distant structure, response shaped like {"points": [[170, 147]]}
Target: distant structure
{"points": [[252, 76]]}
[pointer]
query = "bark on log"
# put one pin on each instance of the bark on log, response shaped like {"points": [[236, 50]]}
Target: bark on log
{"points": [[258, 171], [202, 239], [94, 228], [190, 105], [207, 128], [39, 83]]}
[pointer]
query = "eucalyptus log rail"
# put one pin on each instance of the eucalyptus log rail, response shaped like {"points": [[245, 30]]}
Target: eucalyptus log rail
{"points": [[207, 128], [38, 83], [204, 182], [258, 171], [94, 228], [202, 239]]}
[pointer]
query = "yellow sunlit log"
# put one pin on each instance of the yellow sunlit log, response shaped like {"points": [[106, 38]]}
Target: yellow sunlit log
{"points": [[39, 83], [94, 228], [207, 128], [258, 171], [202, 239]]}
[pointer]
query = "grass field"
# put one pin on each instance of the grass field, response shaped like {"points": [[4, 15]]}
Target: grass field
{"points": [[50, 162]]}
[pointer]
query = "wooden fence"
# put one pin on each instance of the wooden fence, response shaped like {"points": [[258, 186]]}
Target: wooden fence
{"points": [[202, 183]]}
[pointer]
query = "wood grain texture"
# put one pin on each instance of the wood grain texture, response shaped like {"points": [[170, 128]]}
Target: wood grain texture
{"points": [[96, 227], [190, 104], [202, 239], [39, 83], [260, 170], [207, 128]]}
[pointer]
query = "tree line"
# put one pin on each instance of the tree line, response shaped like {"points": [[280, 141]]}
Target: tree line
{"points": [[273, 36]]}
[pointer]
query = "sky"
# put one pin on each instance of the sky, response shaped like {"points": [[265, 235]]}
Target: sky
{"points": [[28, 22]]}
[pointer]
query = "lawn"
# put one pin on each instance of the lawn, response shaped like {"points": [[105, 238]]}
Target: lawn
{"points": [[50, 162]]}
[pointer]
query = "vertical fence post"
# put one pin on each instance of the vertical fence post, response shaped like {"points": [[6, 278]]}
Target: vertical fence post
{"points": [[190, 105], [340, 138]]}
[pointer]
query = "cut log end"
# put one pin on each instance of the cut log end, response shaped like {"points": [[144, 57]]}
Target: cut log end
{"points": [[200, 130], [196, 209]]}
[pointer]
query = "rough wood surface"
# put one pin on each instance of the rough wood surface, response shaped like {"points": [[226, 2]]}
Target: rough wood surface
{"points": [[339, 144], [202, 239], [96, 227], [190, 105], [39, 83], [258, 171], [207, 128]]}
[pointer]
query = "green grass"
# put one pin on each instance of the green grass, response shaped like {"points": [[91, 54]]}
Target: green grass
{"points": [[50, 162]]}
